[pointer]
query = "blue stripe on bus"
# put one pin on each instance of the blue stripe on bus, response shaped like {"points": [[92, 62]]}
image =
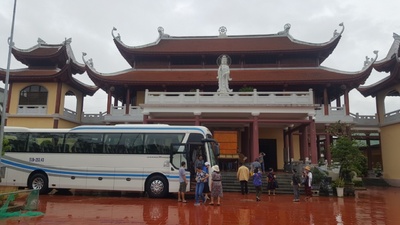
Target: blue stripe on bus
{"points": [[32, 168]]}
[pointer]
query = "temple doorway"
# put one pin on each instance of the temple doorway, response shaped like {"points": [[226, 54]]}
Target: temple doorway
{"points": [[268, 146]]}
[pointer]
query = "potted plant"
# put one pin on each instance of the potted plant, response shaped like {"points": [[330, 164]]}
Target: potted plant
{"points": [[339, 184], [345, 151]]}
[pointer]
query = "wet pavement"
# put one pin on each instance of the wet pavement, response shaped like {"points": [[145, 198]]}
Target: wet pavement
{"points": [[372, 206]]}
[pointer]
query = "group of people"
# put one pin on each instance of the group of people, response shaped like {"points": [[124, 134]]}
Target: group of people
{"points": [[202, 185], [243, 175], [256, 171], [306, 180]]}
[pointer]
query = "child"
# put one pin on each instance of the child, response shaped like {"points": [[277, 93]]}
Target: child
{"points": [[257, 181], [272, 184]]}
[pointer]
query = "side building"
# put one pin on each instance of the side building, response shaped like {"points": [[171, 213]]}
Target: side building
{"points": [[388, 122], [37, 94]]}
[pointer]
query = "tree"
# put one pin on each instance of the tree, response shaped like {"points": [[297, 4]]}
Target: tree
{"points": [[346, 152]]}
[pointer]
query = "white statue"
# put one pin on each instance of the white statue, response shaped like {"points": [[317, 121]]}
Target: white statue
{"points": [[224, 75]]}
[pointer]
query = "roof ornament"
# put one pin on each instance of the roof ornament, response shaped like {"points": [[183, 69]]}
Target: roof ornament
{"points": [[118, 37], [223, 74], [336, 33], [368, 61], [161, 32], [40, 41], [68, 41], [88, 62], [286, 29], [222, 31], [396, 36]]}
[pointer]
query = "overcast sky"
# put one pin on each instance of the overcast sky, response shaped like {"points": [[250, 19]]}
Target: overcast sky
{"points": [[369, 26]]}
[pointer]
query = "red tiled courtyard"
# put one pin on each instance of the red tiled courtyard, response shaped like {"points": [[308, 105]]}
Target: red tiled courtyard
{"points": [[372, 206]]}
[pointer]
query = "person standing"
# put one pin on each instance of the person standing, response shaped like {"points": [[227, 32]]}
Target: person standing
{"points": [[295, 183], [254, 165], [261, 161], [216, 185], [257, 181], [206, 190], [272, 184], [307, 182], [201, 176], [182, 183], [242, 175]]}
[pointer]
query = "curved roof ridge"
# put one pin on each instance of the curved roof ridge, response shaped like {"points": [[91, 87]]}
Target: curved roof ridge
{"points": [[335, 36], [393, 51], [41, 44], [117, 38], [285, 32]]}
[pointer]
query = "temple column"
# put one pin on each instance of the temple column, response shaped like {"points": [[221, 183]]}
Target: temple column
{"points": [[255, 144], [326, 102], [145, 119], [291, 150], [58, 98], [58, 104], [313, 141], [128, 101], [285, 145], [338, 102], [197, 118], [346, 101], [109, 100], [304, 143], [328, 154]]}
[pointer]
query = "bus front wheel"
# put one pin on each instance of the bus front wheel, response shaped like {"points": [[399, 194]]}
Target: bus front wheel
{"points": [[157, 186], [39, 181]]}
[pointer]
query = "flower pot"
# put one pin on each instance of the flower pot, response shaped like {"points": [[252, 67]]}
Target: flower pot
{"points": [[339, 191]]}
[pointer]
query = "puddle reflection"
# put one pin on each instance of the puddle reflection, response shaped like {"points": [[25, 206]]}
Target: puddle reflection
{"points": [[373, 206]]}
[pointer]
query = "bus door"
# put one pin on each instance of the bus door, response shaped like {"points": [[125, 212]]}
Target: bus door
{"points": [[179, 153]]}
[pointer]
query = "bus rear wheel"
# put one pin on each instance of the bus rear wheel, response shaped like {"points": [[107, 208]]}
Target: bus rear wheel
{"points": [[39, 181], [157, 187]]}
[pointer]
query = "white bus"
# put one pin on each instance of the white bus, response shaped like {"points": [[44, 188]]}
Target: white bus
{"points": [[143, 158]]}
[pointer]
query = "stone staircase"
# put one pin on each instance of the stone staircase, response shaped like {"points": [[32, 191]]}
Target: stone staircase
{"points": [[231, 184]]}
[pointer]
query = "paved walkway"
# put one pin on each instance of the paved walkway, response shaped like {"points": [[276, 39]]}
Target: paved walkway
{"points": [[371, 206]]}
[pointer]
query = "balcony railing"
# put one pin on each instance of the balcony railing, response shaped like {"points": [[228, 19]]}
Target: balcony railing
{"points": [[365, 120], [256, 98], [32, 109]]}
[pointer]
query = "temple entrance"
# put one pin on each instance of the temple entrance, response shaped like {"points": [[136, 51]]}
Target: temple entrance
{"points": [[268, 146]]}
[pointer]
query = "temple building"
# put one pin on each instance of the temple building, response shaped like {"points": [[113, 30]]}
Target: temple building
{"points": [[37, 93], [280, 99], [256, 93], [388, 122]]}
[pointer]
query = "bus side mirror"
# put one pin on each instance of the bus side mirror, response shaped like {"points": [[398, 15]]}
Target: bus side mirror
{"points": [[216, 150]]}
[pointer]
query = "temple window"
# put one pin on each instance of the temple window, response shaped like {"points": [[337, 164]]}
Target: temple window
{"points": [[33, 95]]}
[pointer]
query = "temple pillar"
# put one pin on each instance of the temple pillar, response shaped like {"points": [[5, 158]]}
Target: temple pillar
{"points": [[291, 148], [145, 119], [128, 101], [285, 145], [326, 102], [304, 143], [313, 141], [58, 98], [197, 118], [109, 101], [328, 154], [346, 101], [255, 144]]}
